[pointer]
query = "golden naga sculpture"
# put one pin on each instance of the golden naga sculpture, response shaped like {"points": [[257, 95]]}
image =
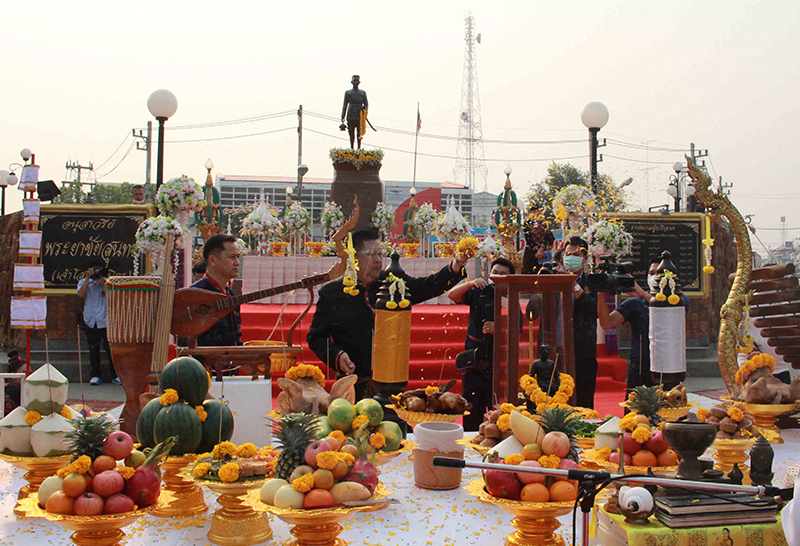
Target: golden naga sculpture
{"points": [[717, 204]]}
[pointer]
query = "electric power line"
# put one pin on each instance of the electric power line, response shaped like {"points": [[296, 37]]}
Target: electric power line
{"points": [[114, 152], [231, 137], [131, 147], [238, 121]]}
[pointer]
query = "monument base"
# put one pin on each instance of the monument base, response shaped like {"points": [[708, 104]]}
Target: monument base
{"points": [[349, 182]]}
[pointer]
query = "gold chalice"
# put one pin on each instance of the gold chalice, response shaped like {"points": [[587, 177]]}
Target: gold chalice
{"points": [[237, 523], [38, 468], [765, 416]]}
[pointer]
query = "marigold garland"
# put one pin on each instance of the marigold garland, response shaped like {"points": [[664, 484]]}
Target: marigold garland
{"points": [[346, 458], [549, 461], [504, 422], [507, 408], [628, 422], [758, 361], [702, 414], [224, 449], [201, 470], [229, 472], [377, 440], [327, 460], [641, 434], [306, 370], [338, 435], [735, 414], [431, 389], [514, 459], [246, 450], [304, 483], [81, 465], [360, 421], [33, 417], [540, 398], [201, 413], [65, 412], [126, 472], [169, 397]]}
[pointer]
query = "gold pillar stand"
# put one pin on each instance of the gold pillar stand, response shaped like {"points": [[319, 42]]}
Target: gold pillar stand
{"points": [[237, 523], [730, 452], [185, 497], [765, 416], [38, 469]]}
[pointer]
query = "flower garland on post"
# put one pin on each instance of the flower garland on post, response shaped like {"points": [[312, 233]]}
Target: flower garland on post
{"points": [[331, 218], [152, 236], [180, 196], [708, 243], [383, 219], [668, 279], [608, 237], [350, 279]]}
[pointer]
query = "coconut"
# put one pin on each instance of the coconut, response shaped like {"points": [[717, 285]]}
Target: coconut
{"points": [[47, 436], [607, 435], [15, 434], [46, 390]]}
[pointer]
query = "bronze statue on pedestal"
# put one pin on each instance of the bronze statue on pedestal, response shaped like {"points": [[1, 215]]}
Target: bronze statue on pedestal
{"points": [[354, 109]]}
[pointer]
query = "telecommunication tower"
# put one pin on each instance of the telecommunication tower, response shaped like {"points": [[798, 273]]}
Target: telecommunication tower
{"points": [[470, 166], [784, 230]]}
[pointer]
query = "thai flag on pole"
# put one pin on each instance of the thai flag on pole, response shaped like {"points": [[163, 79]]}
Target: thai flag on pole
{"points": [[419, 120]]}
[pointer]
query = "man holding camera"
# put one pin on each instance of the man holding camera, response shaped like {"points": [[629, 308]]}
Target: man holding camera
{"points": [[476, 360], [92, 288]]}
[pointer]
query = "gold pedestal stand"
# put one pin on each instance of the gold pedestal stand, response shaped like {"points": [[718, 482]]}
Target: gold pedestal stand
{"points": [[409, 250], [446, 250], [535, 522], [237, 523], [38, 469], [730, 452], [766, 415], [89, 530], [186, 497]]}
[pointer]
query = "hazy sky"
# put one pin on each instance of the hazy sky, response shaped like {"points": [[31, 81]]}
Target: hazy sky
{"points": [[721, 74]]}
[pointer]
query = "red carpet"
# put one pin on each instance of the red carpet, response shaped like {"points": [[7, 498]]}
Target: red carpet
{"points": [[437, 336]]}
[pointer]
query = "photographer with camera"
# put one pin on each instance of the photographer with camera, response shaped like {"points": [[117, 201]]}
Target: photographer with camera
{"points": [[476, 361], [92, 288]]}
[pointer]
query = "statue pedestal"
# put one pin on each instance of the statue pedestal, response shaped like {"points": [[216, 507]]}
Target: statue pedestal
{"points": [[365, 183]]}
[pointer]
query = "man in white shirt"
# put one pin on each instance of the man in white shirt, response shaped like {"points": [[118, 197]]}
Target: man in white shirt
{"points": [[92, 289]]}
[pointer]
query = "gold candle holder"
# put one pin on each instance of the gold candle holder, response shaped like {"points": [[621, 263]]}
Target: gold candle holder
{"points": [[237, 523], [88, 530], [535, 522], [318, 527], [765, 416], [732, 451], [186, 497], [38, 469]]}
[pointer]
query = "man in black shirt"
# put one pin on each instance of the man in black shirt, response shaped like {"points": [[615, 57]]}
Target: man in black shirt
{"points": [[222, 266], [342, 328]]}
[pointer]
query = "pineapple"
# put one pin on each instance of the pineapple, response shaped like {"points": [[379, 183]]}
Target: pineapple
{"points": [[294, 431], [89, 435], [647, 401], [562, 420]]}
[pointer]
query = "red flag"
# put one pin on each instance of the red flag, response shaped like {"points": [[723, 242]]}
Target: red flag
{"points": [[419, 121]]}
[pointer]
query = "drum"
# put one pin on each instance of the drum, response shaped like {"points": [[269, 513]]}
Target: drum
{"points": [[131, 304]]}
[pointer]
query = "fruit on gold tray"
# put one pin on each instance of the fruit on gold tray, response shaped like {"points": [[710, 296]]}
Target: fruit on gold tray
{"points": [[60, 503], [74, 485], [525, 429], [349, 491], [556, 443], [108, 483], [269, 489], [49, 486], [317, 497], [535, 492], [118, 445], [118, 504], [529, 477], [88, 504], [286, 497]]}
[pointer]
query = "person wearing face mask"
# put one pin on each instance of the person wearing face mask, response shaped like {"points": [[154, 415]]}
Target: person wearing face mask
{"points": [[138, 196], [584, 324], [636, 312]]}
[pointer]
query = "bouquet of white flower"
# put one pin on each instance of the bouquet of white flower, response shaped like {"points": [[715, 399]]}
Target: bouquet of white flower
{"points": [[332, 217], [262, 221], [178, 195], [607, 237], [152, 234], [490, 248], [452, 224], [297, 220], [383, 218], [425, 218]]}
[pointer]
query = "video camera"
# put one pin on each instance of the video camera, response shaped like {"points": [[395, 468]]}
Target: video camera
{"points": [[615, 277], [99, 272], [547, 268]]}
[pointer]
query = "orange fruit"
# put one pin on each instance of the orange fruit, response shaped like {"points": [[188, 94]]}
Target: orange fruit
{"points": [[333, 442], [103, 463], [563, 491], [317, 497], [340, 470], [59, 503], [74, 485], [644, 458], [349, 448], [668, 458], [643, 420], [323, 479], [535, 492]]}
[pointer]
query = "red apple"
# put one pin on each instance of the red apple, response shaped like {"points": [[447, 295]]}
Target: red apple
{"points": [[118, 445], [88, 504], [117, 504], [657, 444], [614, 458], [528, 477], [631, 446], [502, 484], [320, 446], [566, 464], [108, 483]]}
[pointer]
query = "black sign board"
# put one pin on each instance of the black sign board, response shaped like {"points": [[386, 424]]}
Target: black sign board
{"points": [[74, 236], [679, 233]]}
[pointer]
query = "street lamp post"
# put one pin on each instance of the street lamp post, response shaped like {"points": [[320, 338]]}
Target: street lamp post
{"points": [[3, 184], [302, 170], [678, 187], [594, 117], [162, 105]]}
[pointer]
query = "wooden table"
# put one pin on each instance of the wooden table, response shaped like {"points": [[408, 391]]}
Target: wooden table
{"points": [[252, 356]]}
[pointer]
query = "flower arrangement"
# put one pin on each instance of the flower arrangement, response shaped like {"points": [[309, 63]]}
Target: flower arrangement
{"points": [[357, 158], [397, 286], [306, 370], [608, 237], [262, 221], [425, 218], [758, 361], [152, 234], [467, 247], [244, 250], [452, 224], [231, 463], [297, 219], [573, 202], [540, 398], [332, 217], [383, 219], [181, 194], [490, 248]]}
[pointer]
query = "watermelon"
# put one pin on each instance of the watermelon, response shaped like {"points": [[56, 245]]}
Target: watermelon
{"points": [[212, 425], [179, 420], [188, 377], [144, 426]]}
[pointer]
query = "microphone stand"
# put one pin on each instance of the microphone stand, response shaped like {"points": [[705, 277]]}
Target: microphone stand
{"points": [[589, 480]]}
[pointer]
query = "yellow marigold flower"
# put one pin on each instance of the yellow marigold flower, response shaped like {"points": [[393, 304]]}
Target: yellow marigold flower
{"points": [[230, 472], [507, 408], [404, 303], [702, 414], [735, 413], [549, 461], [430, 389], [360, 421], [246, 450], [327, 460], [591, 414], [81, 465], [304, 483], [377, 440], [346, 458], [201, 470], [65, 412], [540, 397], [660, 297], [204, 455], [540, 407], [127, 472], [708, 269], [266, 450], [201, 413], [224, 449], [169, 397], [355, 292], [504, 422], [391, 304], [604, 453], [527, 414], [514, 459], [628, 422], [641, 434], [33, 417], [674, 299], [338, 435]]}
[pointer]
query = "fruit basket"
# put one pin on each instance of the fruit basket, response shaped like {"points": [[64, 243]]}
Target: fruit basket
{"points": [[535, 522], [413, 418], [591, 456], [37, 470]]}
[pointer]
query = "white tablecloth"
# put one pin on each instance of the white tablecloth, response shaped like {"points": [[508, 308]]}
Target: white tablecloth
{"points": [[435, 518], [262, 272]]}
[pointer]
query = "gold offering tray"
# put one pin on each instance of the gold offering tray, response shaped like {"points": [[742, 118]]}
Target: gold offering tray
{"points": [[590, 455], [38, 469], [413, 418]]}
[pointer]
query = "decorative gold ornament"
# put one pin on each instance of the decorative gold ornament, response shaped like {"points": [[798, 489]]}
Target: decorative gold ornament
{"points": [[186, 497], [38, 469], [732, 451], [239, 522]]}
